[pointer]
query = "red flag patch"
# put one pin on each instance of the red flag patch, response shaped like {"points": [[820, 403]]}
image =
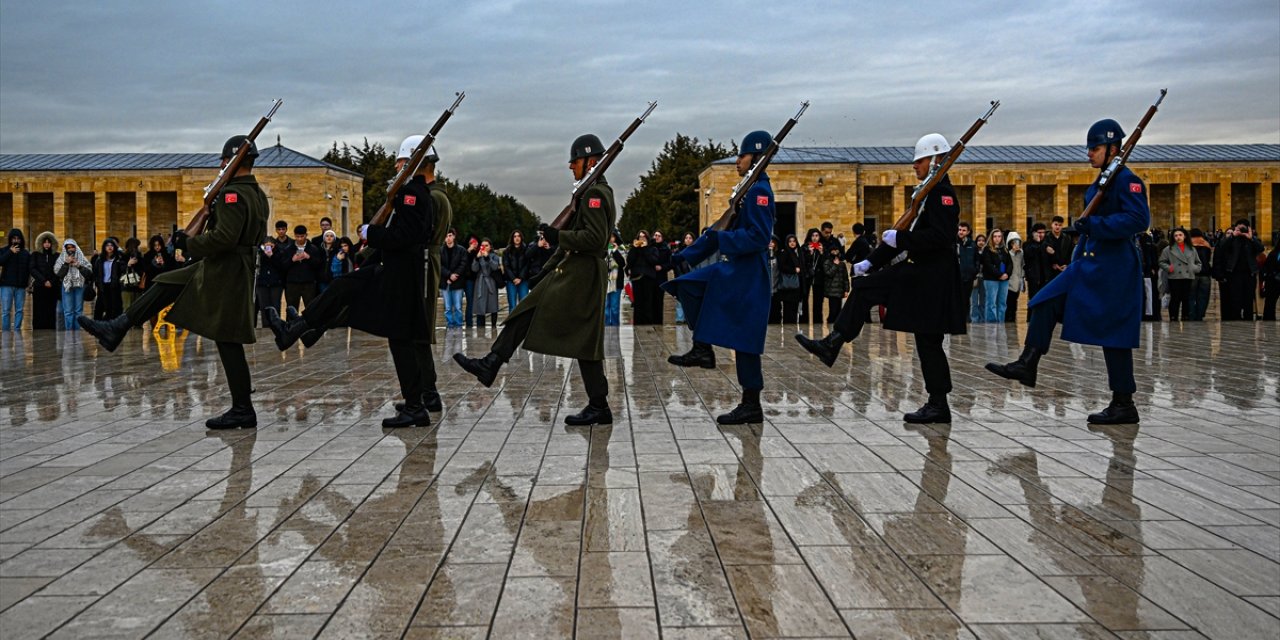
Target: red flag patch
{"points": [[1135, 187], [594, 203], [231, 198], [948, 201], [411, 200], [762, 201]]}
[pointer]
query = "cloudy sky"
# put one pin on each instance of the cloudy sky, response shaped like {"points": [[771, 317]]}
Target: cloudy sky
{"points": [[157, 75]]}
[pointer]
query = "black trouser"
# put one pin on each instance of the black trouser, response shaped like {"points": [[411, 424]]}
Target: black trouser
{"points": [[819, 296], [1046, 315], [299, 292], [1269, 303], [648, 301], [791, 306], [109, 303], [1032, 289], [775, 307], [836, 302], [269, 298], [326, 310], [512, 336], [1179, 299], [415, 368], [1238, 295], [1011, 306], [933, 359], [160, 295], [45, 300]]}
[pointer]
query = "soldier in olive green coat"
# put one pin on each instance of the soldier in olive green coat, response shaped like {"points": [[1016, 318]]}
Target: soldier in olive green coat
{"points": [[214, 296], [564, 314]]}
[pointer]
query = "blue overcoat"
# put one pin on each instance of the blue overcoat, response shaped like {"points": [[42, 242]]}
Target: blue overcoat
{"points": [[1103, 283], [735, 306]]}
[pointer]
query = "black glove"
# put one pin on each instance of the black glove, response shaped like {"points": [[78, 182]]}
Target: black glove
{"points": [[1081, 226], [549, 232]]}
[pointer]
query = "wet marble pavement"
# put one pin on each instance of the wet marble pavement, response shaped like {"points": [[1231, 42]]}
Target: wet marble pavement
{"points": [[120, 516]]}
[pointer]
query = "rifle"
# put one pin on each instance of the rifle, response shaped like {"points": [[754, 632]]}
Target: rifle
{"points": [[411, 167], [753, 174], [594, 174], [201, 218], [1104, 179], [938, 170]]}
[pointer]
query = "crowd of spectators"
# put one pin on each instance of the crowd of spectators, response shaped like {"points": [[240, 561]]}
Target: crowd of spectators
{"points": [[808, 273]]}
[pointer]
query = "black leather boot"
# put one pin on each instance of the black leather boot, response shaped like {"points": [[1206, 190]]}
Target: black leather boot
{"points": [[108, 332], [1120, 411], [827, 349], [431, 400], [748, 411], [236, 418], [484, 369], [1023, 369], [701, 355], [286, 333], [596, 412], [935, 411], [411, 416], [312, 336]]}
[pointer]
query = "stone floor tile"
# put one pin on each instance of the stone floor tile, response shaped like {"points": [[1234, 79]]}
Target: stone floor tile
{"points": [[993, 589], [282, 627], [905, 624], [462, 594], [868, 577], [615, 579], [536, 608], [37, 616]]}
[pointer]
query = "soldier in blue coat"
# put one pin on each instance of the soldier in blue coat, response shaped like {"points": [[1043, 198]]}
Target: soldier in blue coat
{"points": [[726, 303], [1098, 298]]}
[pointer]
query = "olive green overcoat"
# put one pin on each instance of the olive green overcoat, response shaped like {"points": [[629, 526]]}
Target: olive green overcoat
{"points": [[568, 304], [217, 291], [443, 220]]}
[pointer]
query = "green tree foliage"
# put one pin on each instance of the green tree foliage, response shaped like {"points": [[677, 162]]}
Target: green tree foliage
{"points": [[668, 197], [477, 209]]}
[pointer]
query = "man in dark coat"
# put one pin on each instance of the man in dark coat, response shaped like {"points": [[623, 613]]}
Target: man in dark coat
{"points": [[726, 303], [1098, 297], [564, 315], [918, 283], [301, 264], [15, 273], [1057, 249], [214, 296], [1033, 269], [1235, 266], [967, 256], [386, 296]]}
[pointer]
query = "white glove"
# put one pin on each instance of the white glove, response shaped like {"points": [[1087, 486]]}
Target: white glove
{"points": [[364, 232], [862, 268], [890, 238]]}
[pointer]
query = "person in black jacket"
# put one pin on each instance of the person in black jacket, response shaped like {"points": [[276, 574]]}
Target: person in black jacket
{"points": [[644, 281], [453, 263], [860, 248], [108, 266], [1202, 287], [1033, 269], [921, 294], [1269, 275], [790, 278], [967, 257], [537, 255], [301, 263], [997, 267], [132, 280], [15, 273], [515, 269], [269, 286], [1235, 266], [811, 256], [617, 281], [46, 287]]}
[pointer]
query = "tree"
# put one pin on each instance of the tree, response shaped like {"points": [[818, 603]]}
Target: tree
{"points": [[477, 210], [668, 197]]}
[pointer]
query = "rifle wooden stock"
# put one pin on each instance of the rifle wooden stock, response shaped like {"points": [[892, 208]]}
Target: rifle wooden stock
{"points": [[1104, 181], [754, 173], [939, 170], [201, 217], [595, 173], [411, 166]]}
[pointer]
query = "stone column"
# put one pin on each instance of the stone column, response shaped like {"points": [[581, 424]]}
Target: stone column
{"points": [[1060, 201], [979, 205], [1020, 209], [1265, 223], [60, 217], [1226, 216], [20, 215], [1184, 205], [99, 217], [142, 215]]}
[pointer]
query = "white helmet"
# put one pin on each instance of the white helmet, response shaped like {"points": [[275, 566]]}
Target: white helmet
{"points": [[411, 143], [931, 145]]}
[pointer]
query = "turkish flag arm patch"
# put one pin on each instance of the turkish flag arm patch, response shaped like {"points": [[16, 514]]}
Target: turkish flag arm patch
{"points": [[762, 201], [948, 201], [593, 203], [1135, 187], [231, 198], [410, 200]]}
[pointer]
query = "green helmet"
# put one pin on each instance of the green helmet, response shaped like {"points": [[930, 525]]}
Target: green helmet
{"points": [[233, 143], [585, 146]]}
